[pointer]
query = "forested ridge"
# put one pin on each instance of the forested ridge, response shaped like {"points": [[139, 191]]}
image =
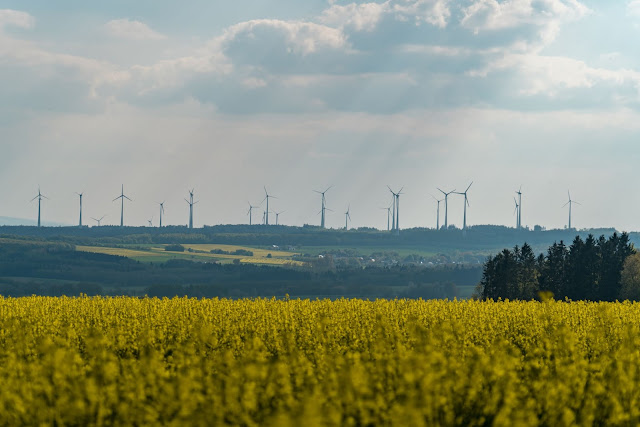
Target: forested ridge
{"points": [[589, 269]]}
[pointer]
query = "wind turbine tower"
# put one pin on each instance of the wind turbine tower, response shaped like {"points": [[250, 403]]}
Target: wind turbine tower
{"points": [[519, 193], [570, 203], [393, 203], [161, 212], [80, 222], [98, 220], [122, 197], [250, 211], [515, 211], [446, 207], [396, 209], [388, 209], [278, 215], [324, 205], [438, 214], [40, 196], [191, 203], [266, 212], [347, 218], [466, 203]]}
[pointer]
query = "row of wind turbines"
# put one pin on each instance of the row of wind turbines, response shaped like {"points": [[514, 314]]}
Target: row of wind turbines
{"points": [[393, 210]]}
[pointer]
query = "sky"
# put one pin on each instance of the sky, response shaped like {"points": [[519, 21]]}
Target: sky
{"points": [[228, 97]]}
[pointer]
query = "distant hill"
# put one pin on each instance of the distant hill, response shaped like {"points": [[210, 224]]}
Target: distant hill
{"points": [[478, 239], [5, 220]]}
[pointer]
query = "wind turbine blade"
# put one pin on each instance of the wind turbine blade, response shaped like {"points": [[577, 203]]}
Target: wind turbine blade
{"points": [[329, 188], [573, 201], [566, 203], [116, 198], [316, 191], [468, 187], [127, 198]]}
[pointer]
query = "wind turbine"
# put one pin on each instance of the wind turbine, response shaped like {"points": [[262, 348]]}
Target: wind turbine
{"points": [[80, 223], [396, 209], [438, 214], [251, 208], [515, 211], [191, 203], [98, 220], [324, 201], [161, 212], [347, 218], [40, 196], [570, 203], [388, 209], [446, 207], [122, 197], [150, 221], [519, 193], [266, 212], [277, 215], [466, 203]]}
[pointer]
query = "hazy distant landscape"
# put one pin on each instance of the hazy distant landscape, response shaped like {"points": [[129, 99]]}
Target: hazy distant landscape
{"points": [[252, 261]]}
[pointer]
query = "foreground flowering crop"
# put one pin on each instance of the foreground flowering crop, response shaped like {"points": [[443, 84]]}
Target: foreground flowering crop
{"points": [[121, 361]]}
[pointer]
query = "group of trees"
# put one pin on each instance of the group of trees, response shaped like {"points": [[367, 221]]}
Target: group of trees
{"points": [[590, 269]]}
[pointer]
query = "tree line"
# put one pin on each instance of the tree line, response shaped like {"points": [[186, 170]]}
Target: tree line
{"points": [[590, 269]]}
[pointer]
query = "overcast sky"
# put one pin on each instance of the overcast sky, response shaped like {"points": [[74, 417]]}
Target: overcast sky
{"points": [[226, 97]]}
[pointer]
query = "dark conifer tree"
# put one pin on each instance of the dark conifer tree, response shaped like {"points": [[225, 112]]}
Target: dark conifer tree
{"points": [[554, 271]]}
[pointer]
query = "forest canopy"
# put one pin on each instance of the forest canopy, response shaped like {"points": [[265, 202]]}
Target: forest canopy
{"points": [[589, 269]]}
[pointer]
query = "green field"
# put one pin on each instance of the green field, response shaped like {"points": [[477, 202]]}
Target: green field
{"points": [[199, 252]]}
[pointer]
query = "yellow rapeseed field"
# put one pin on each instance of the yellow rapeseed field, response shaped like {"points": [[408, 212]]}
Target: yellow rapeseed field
{"points": [[127, 361]]}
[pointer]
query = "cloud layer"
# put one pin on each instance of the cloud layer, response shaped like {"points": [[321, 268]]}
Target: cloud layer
{"points": [[414, 93]]}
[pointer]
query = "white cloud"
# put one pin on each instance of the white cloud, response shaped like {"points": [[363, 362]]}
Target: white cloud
{"points": [[359, 17], [633, 8], [16, 18], [548, 75], [434, 12], [493, 15], [132, 30], [300, 37], [366, 16]]}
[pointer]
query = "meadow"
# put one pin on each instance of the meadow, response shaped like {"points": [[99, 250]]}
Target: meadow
{"points": [[198, 252], [123, 361]]}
